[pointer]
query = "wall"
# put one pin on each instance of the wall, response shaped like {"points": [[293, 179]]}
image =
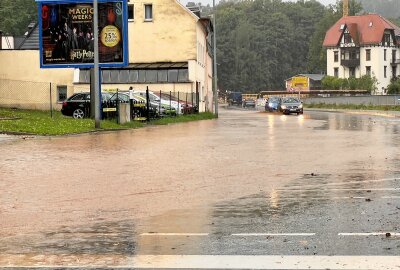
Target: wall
{"points": [[24, 85], [360, 100], [169, 37]]}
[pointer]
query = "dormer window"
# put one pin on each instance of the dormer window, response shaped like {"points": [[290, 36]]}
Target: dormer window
{"points": [[347, 38], [342, 26]]}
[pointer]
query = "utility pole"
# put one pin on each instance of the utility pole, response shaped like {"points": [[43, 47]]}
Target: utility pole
{"points": [[96, 65], [215, 62]]}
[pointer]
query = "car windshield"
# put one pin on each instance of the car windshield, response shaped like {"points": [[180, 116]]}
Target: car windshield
{"points": [[273, 99], [290, 100]]}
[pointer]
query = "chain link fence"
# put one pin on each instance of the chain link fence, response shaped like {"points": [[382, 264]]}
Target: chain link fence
{"points": [[27, 95]]}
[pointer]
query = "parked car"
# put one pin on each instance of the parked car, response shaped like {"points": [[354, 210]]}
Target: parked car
{"points": [[249, 103], [139, 102], [272, 104], [290, 105], [235, 98], [78, 105]]}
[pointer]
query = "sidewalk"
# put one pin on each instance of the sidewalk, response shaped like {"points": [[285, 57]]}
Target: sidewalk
{"points": [[392, 114]]}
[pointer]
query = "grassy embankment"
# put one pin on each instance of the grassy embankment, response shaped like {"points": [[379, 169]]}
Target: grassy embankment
{"points": [[353, 107], [40, 122]]}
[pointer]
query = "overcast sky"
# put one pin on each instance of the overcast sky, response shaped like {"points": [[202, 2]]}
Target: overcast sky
{"points": [[205, 2]]}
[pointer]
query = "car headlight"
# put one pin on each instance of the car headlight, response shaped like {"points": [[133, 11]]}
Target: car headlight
{"points": [[301, 106], [283, 107]]}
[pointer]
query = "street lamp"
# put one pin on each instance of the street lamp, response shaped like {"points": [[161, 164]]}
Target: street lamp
{"points": [[215, 62]]}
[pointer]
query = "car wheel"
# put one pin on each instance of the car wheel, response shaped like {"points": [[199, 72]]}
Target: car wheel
{"points": [[78, 114]]}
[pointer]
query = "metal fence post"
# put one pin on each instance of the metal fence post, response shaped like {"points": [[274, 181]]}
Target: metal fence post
{"points": [[177, 112], [159, 105], [147, 104], [51, 103], [186, 105], [192, 111], [170, 99]]}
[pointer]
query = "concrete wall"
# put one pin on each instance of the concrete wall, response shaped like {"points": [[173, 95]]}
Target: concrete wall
{"points": [[359, 100], [24, 85], [169, 37]]}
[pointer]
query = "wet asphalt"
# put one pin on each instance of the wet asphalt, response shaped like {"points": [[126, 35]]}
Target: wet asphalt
{"points": [[249, 183]]}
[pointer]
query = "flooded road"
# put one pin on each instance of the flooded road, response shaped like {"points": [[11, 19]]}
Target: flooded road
{"points": [[247, 184]]}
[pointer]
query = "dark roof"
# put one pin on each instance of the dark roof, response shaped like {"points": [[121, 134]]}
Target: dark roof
{"points": [[31, 41], [365, 30]]}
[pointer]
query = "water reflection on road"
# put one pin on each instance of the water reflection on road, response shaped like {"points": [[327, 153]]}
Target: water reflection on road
{"points": [[99, 194]]}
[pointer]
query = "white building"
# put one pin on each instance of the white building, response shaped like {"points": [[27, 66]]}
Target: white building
{"points": [[364, 45]]}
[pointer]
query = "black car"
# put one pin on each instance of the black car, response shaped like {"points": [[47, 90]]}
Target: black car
{"points": [[235, 98], [290, 105], [78, 105]]}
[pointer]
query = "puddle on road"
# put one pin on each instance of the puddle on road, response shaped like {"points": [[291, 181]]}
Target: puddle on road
{"points": [[100, 238]]}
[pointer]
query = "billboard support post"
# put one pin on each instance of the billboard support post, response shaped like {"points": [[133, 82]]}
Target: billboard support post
{"points": [[96, 65]]}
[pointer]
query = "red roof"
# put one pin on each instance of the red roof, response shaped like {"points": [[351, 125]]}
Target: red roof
{"points": [[365, 30]]}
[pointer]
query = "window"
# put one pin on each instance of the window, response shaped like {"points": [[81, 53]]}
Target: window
{"points": [[394, 72], [368, 56], [347, 38], [148, 12], [106, 76], [84, 76], [151, 76], [142, 76], [173, 75], [352, 72], [183, 75], [133, 76], [385, 71], [368, 71], [336, 71], [162, 76], [124, 76], [394, 56], [386, 40], [61, 93], [78, 97], [384, 54], [131, 12], [114, 74], [336, 56]]}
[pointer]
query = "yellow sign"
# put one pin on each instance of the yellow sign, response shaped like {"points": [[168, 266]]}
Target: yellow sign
{"points": [[110, 36], [300, 82]]}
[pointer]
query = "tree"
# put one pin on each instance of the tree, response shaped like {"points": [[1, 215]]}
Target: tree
{"points": [[16, 15]]}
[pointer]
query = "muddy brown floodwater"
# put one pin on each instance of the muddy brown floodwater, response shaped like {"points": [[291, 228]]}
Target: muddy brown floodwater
{"points": [[183, 178]]}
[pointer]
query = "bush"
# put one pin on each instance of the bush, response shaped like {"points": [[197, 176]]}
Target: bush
{"points": [[363, 83], [394, 86]]}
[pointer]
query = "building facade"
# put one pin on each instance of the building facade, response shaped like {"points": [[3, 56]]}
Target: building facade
{"points": [[170, 49], [364, 45]]}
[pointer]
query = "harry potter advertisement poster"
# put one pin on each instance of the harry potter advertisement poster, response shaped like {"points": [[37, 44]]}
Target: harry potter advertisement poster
{"points": [[67, 33]]}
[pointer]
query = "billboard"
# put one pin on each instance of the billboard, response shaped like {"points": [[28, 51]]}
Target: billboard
{"points": [[300, 83], [66, 33]]}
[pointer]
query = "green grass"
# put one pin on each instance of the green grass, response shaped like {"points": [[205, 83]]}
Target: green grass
{"points": [[40, 122], [353, 107]]}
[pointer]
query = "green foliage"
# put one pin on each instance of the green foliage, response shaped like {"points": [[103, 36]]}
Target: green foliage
{"points": [[40, 122], [386, 8], [16, 15], [363, 83], [394, 86]]}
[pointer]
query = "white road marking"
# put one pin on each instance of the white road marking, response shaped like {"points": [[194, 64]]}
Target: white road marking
{"points": [[273, 234], [369, 234], [174, 234], [224, 262]]}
